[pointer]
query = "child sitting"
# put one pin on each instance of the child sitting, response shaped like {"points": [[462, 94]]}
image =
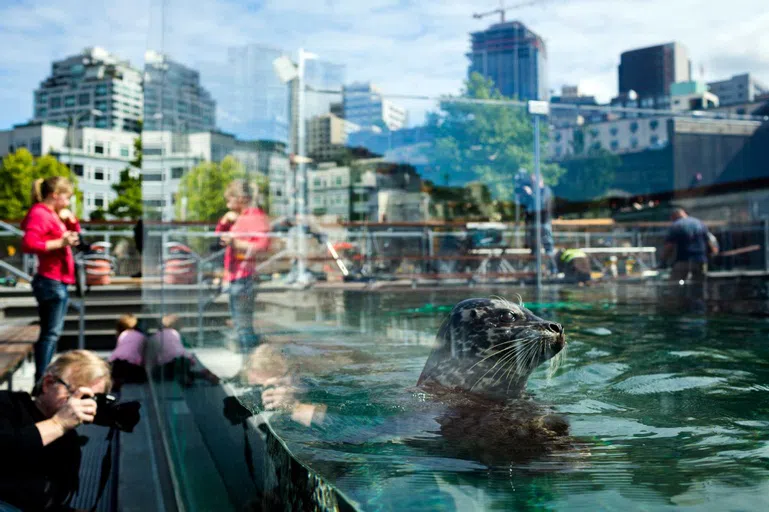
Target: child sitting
{"points": [[170, 359], [128, 356]]}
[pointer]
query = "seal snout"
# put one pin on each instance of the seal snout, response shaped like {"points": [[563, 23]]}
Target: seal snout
{"points": [[556, 328]]}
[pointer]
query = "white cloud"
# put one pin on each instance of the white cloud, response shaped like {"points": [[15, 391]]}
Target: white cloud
{"points": [[406, 46]]}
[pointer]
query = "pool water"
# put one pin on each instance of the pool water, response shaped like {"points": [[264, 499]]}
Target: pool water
{"points": [[666, 391]]}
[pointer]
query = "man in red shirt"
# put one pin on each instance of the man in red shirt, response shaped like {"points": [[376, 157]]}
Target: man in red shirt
{"points": [[50, 231], [244, 231]]}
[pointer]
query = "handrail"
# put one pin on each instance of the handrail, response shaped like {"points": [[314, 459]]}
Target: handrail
{"points": [[15, 271], [13, 229]]}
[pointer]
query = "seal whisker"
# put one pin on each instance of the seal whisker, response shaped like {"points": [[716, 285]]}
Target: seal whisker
{"points": [[512, 351]]}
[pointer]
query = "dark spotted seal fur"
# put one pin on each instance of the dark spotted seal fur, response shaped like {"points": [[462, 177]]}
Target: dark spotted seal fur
{"points": [[490, 347], [485, 351]]}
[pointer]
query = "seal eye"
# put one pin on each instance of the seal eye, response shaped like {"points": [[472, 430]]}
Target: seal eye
{"points": [[507, 316]]}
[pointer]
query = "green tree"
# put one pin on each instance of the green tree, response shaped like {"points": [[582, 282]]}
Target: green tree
{"points": [[486, 142], [98, 214], [128, 204], [17, 173], [202, 189]]}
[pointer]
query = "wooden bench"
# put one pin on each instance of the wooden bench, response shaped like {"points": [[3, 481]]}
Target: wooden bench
{"points": [[16, 345]]}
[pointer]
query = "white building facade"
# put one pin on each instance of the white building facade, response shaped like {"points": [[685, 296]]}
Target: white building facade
{"points": [[168, 156], [97, 156]]}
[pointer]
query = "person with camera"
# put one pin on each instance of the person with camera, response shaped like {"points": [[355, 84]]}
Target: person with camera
{"points": [[525, 188], [50, 232], [244, 232], [40, 447]]}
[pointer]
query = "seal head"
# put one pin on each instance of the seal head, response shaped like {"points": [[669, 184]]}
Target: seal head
{"points": [[490, 347]]}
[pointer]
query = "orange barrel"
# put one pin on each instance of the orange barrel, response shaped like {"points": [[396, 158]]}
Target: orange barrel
{"points": [[98, 265], [180, 270]]}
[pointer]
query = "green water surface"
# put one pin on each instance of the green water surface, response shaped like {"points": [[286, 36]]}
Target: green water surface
{"points": [[666, 391]]}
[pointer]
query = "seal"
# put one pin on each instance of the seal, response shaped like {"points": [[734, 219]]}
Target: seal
{"points": [[489, 347], [485, 352]]}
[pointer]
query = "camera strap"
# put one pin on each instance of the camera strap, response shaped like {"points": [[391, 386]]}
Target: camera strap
{"points": [[106, 468]]}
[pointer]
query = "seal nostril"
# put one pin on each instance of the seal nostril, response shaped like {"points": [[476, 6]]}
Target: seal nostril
{"points": [[556, 328]]}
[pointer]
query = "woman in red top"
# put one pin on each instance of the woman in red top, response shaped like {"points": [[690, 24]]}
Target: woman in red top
{"points": [[244, 229], [50, 231]]}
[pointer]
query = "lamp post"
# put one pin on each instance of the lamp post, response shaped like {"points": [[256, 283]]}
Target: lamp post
{"points": [[538, 109], [287, 71]]}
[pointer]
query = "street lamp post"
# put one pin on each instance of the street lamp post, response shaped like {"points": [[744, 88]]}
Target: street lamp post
{"points": [[538, 109], [287, 71]]}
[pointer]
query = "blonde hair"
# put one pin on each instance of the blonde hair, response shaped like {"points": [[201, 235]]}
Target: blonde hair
{"points": [[81, 368], [267, 359], [240, 189], [42, 188], [170, 321], [126, 322]]}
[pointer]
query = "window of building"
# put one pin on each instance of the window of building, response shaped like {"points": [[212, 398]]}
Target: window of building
{"points": [[100, 90], [558, 150], [634, 126], [654, 140], [339, 181], [653, 124], [177, 172], [34, 146], [614, 145], [41, 112], [152, 177], [98, 148], [124, 151], [78, 169], [596, 145], [83, 98], [633, 143], [98, 174], [55, 102], [98, 202], [69, 101], [614, 130], [594, 132], [101, 122], [316, 183], [156, 151]]}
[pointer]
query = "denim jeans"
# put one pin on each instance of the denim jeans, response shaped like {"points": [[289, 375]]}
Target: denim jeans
{"points": [[52, 297], [242, 298]]}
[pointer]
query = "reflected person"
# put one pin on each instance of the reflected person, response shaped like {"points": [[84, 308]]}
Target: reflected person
{"points": [[244, 232], [528, 200], [692, 243], [267, 368]]}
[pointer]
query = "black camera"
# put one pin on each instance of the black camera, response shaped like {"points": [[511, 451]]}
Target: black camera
{"points": [[111, 413]]}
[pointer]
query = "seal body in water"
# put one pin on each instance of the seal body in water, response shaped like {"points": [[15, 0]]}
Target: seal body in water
{"points": [[485, 351]]}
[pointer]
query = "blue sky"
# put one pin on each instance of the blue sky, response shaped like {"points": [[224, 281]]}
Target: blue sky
{"points": [[404, 46]]}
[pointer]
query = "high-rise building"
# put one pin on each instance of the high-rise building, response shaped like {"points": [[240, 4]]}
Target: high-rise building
{"points": [[514, 57], [738, 89], [364, 106], [320, 78], [650, 72], [253, 102], [173, 97], [327, 136], [93, 80]]}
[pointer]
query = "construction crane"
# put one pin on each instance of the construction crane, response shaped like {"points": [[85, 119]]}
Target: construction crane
{"points": [[502, 9]]}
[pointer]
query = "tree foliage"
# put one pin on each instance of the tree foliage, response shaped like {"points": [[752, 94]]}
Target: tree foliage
{"points": [[486, 142], [201, 190], [17, 173], [128, 204]]}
